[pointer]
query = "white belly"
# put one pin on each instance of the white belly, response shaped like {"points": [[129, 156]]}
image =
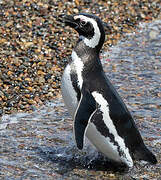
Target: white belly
{"points": [[68, 92]]}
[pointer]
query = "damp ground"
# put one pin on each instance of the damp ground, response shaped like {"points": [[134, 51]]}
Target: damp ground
{"points": [[39, 145]]}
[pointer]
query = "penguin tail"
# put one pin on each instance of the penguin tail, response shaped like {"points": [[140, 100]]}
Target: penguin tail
{"points": [[143, 153]]}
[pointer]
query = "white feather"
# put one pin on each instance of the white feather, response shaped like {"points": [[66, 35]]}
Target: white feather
{"points": [[79, 67]]}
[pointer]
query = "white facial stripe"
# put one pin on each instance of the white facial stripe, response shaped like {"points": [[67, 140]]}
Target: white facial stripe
{"points": [[93, 42], [107, 120], [79, 67], [80, 17]]}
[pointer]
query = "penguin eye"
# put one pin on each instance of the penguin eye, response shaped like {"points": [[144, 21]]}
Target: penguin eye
{"points": [[83, 23]]}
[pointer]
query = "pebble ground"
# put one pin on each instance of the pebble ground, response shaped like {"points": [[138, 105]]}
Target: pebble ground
{"points": [[34, 46]]}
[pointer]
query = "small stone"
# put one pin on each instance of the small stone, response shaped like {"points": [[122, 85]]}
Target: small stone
{"points": [[9, 73], [41, 80], [3, 40], [50, 94], [30, 89], [75, 10], [39, 72], [30, 101], [153, 34], [10, 23], [28, 79]]}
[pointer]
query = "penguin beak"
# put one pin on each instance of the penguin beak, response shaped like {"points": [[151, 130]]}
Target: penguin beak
{"points": [[68, 20]]}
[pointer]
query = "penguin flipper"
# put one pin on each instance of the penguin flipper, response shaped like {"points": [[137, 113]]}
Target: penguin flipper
{"points": [[84, 110]]}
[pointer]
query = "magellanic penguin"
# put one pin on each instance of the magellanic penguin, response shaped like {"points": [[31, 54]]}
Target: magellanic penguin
{"points": [[96, 107]]}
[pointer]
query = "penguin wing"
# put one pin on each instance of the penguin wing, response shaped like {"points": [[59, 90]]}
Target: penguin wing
{"points": [[85, 108]]}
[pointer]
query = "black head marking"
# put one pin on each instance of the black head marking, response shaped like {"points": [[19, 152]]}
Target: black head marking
{"points": [[90, 27]]}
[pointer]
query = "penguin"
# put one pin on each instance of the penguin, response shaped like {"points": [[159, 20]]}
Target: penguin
{"points": [[97, 109]]}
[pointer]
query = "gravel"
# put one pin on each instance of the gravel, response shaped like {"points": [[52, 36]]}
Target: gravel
{"points": [[34, 46]]}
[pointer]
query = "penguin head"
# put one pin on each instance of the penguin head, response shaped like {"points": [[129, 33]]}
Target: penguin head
{"points": [[89, 27]]}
